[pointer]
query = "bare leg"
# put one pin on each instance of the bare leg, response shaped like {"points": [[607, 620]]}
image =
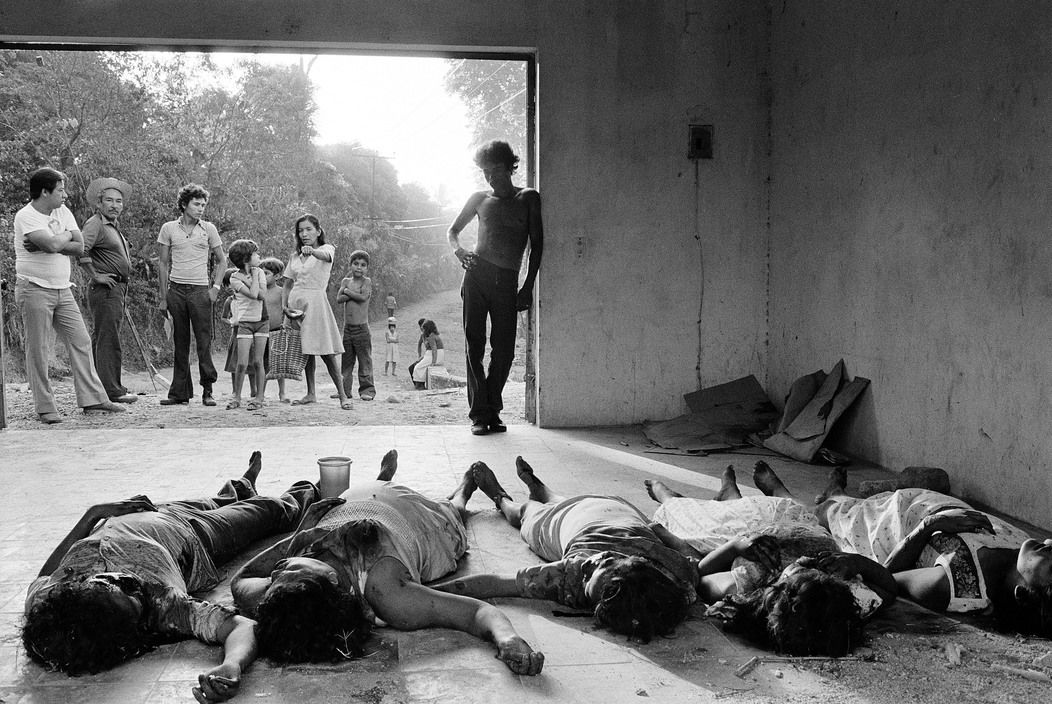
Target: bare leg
{"points": [[538, 489], [388, 466], [487, 482], [308, 374], [659, 491], [768, 482], [729, 490], [837, 485], [459, 497], [332, 363]]}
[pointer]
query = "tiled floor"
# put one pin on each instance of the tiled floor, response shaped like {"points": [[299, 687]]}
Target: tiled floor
{"points": [[47, 486]]}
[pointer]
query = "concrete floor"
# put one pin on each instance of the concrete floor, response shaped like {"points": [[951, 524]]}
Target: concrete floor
{"points": [[48, 486]]}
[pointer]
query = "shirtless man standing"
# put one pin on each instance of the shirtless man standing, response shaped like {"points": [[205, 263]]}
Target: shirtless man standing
{"points": [[509, 219]]}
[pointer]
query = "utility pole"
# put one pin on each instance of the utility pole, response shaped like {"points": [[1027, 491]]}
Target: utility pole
{"points": [[372, 180]]}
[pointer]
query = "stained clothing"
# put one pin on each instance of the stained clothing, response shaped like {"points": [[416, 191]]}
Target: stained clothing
{"points": [[319, 332], [488, 291], [174, 551], [568, 532], [874, 526], [708, 524], [424, 535]]}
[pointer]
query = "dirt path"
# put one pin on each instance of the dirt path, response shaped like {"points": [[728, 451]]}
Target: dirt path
{"points": [[396, 403]]}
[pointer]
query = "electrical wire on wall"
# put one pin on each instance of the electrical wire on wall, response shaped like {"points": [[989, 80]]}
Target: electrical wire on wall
{"points": [[701, 264]]}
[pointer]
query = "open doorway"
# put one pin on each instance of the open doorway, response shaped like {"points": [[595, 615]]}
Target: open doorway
{"points": [[272, 136]]}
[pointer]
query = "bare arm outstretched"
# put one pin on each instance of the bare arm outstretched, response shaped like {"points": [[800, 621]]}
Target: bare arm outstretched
{"points": [[407, 605]]}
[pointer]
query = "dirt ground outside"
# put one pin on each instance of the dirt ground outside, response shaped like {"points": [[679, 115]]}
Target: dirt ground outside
{"points": [[396, 403]]}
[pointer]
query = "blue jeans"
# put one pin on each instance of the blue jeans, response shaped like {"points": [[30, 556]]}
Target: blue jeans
{"points": [[43, 310], [190, 307], [358, 347], [107, 312], [488, 290]]}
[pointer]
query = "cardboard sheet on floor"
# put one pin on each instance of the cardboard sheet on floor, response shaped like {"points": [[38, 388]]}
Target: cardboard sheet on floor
{"points": [[721, 417], [814, 404]]}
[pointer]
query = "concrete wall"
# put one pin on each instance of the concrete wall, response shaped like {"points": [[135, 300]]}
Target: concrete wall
{"points": [[910, 233], [653, 279]]}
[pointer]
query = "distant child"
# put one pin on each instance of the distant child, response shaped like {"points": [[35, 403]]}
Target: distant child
{"points": [[354, 293], [433, 354], [249, 285], [391, 336], [391, 304], [272, 269]]}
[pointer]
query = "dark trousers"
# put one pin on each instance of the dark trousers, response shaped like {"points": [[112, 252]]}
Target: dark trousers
{"points": [[488, 290], [107, 312], [358, 347], [190, 308], [236, 517]]}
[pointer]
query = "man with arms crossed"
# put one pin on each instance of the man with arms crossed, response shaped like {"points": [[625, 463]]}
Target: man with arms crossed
{"points": [[107, 263], [185, 246], [46, 235], [509, 219]]}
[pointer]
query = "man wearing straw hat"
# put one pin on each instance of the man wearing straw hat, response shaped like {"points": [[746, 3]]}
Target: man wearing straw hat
{"points": [[107, 263]]}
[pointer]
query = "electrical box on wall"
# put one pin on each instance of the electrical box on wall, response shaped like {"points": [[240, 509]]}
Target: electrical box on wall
{"points": [[700, 146]]}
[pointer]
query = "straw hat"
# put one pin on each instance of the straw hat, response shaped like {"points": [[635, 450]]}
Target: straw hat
{"points": [[101, 184]]}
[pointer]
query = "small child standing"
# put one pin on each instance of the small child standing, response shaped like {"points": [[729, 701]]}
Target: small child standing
{"points": [[354, 293], [272, 269], [391, 336], [230, 317], [249, 285]]}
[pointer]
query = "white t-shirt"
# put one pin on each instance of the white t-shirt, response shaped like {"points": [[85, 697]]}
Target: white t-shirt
{"points": [[47, 269]]}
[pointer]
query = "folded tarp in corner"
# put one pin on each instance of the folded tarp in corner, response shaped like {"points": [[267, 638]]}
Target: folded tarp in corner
{"points": [[814, 404], [721, 417]]}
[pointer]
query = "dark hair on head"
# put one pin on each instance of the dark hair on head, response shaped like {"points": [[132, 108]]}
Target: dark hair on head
{"points": [[808, 612], [45, 179], [189, 192], [498, 151], [1027, 610], [240, 252], [76, 630], [310, 620], [640, 601], [313, 220], [273, 265], [430, 328], [359, 254], [227, 273], [420, 322]]}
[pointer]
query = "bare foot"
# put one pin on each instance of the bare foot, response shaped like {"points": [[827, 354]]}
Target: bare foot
{"points": [[728, 485], [487, 481], [466, 487], [767, 481], [309, 398], [538, 490], [837, 485], [255, 464], [659, 491], [388, 466]]}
